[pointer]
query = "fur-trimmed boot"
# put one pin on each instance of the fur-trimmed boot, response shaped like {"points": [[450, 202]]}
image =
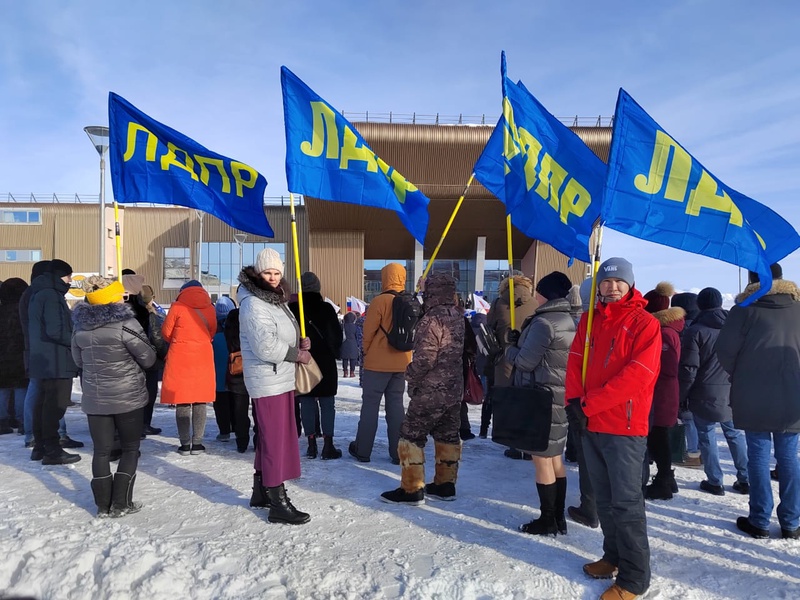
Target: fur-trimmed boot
{"points": [[444, 479], [329, 451], [101, 489], [412, 476], [122, 496], [259, 498], [561, 498], [546, 523], [281, 509]]}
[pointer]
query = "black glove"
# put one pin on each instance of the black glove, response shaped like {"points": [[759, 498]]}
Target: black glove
{"points": [[575, 410], [512, 337]]}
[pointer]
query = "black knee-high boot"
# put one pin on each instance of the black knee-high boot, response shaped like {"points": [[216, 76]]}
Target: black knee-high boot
{"points": [[561, 498], [546, 523]]}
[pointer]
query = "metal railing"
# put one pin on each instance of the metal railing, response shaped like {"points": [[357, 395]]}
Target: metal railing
{"points": [[438, 119], [48, 198]]}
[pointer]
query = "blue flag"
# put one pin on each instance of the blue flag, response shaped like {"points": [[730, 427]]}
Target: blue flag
{"points": [[151, 162], [657, 191], [327, 158], [548, 178]]}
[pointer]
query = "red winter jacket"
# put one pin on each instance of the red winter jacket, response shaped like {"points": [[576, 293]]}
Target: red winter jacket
{"points": [[624, 360]]}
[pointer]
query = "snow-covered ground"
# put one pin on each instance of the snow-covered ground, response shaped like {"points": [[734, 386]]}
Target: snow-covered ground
{"points": [[197, 538]]}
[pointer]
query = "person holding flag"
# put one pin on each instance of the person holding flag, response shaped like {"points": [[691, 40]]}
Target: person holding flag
{"points": [[612, 405]]}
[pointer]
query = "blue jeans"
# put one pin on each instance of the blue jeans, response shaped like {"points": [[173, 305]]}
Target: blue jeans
{"points": [[308, 412], [707, 440], [18, 394], [761, 501], [691, 431], [31, 397]]}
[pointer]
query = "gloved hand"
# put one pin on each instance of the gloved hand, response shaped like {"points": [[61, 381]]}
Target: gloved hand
{"points": [[512, 337], [575, 410], [304, 356], [305, 343]]}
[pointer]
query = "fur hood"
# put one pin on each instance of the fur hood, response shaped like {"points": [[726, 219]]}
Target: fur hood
{"points": [[91, 316], [779, 286], [670, 315], [523, 289], [259, 288]]}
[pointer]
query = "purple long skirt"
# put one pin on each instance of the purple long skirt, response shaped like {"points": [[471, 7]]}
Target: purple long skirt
{"points": [[277, 452]]}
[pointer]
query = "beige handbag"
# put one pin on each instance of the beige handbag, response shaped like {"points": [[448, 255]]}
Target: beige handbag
{"points": [[306, 376]]}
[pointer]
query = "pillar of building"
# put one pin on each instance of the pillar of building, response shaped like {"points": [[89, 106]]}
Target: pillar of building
{"points": [[480, 263], [419, 261]]}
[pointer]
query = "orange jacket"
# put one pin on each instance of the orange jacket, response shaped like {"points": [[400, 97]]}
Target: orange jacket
{"points": [[378, 354], [189, 328]]}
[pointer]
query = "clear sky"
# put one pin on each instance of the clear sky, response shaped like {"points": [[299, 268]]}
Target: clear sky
{"points": [[721, 76]]}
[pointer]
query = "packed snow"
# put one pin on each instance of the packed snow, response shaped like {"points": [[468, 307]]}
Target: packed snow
{"points": [[196, 536]]}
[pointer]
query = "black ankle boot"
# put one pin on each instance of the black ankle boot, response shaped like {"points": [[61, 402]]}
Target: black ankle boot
{"points": [[546, 523], [312, 447], [259, 498], [281, 509], [561, 498], [661, 488], [329, 451]]}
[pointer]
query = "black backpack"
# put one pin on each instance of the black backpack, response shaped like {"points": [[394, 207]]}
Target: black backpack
{"points": [[406, 311]]}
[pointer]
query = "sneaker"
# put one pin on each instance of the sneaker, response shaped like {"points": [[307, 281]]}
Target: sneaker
{"points": [[743, 523], [441, 491], [185, 450], [68, 442], [197, 449], [741, 486], [400, 496], [224, 437], [709, 487], [64, 458], [577, 515], [790, 534], [150, 430], [601, 569], [353, 450], [616, 592]]}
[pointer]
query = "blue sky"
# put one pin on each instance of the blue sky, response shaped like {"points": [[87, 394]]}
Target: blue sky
{"points": [[721, 76]]}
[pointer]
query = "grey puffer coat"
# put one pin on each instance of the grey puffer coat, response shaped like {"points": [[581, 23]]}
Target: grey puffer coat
{"points": [[759, 346], [540, 356], [269, 337], [110, 346]]}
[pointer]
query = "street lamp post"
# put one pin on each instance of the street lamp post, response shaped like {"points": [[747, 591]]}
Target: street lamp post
{"points": [[99, 138], [240, 238]]}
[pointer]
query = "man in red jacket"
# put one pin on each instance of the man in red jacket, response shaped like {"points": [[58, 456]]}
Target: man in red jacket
{"points": [[613, 405]]}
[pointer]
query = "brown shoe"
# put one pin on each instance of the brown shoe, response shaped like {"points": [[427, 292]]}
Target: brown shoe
{"points": [[617, 593], [602, 569], [691, 462]]}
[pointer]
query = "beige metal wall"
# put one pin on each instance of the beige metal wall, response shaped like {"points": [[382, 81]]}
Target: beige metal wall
{"points": [[337, 258]]}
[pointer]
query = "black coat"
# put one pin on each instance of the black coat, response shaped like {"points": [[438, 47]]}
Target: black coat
{"points": [[50, 330], [759, 346], [322, 327], [704, 385], [234, 383], [350, 344], [12, 341]]}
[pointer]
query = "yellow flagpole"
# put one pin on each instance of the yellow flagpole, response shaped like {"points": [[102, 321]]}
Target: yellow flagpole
{"points": [[446, 230], [297, 268], [510, 274], [117, 242], [590, 320]]}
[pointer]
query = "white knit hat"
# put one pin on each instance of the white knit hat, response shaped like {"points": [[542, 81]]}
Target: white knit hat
{"points": [[268, 259]]}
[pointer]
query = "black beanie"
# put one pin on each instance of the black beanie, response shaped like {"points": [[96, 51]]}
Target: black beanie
{"points": [[60, 268], [555, 285], [775, 269], [709, 298], [310, 282], [128, 272], [43, 266]]}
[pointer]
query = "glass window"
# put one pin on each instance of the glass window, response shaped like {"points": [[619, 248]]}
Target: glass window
{"points": [[177, 267], [27, 216], [221, 262], [20, 255]]}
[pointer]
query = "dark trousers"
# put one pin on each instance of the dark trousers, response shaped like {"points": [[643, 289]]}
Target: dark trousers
{"points": [[151, 377], [588, 504], [223, 412], [615, 468], [486, 407], [659, 451], [464, 416], [102, 427], [48, 411], [240, 413]]}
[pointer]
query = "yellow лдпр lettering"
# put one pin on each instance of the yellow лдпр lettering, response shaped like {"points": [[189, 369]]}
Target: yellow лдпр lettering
{"points": [[678, 179], [238, 170], [217, 163], [352, 152], [169, 159], [323, 122], [705, 196], [130, 147]]}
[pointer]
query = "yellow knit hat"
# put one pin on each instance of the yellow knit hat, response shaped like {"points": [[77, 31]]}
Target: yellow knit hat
{"points": [[113, 292]]}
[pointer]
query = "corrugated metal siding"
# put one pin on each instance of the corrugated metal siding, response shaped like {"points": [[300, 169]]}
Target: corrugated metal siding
{"points": [[337, 258], [548, 259]]}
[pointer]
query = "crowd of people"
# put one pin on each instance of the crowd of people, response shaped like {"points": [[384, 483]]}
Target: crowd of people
{"points": [[648, 362]]}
